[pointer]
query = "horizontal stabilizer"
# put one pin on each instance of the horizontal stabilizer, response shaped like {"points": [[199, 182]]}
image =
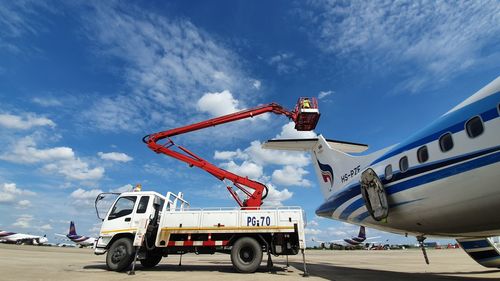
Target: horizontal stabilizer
{"points": [[308, 144]]}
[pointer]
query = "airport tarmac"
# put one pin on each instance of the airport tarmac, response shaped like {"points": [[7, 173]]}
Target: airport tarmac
{"points": [[54, 263]]}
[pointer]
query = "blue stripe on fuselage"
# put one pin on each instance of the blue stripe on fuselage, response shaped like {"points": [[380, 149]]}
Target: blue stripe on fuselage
{"points": [[427, 178], [354, 190], [452, 122]]}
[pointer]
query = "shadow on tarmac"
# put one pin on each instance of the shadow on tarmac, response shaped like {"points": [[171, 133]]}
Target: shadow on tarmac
{"points": [[339, 273], [323, 270], [223, 267]]}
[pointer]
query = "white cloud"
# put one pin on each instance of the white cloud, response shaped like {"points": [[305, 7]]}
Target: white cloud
{"points": [[286, 63], [154, 168], [217, 104], [82, 194], [291, 176], [6, 197], [9, 193], [275, 197], [258, 155], [24, 221], [436, 39], [337, 233], [23, 204], [18, 18], [25, 122], [12, 188], [75, 169], [288, 132], [115, 156], [246, 169], [312, 231], [84, 198], [61, 160], [46, 227], [228, 155], [312, 223], [256, 84], [124, 188], [46, 101], [168, 64], [25, 151], [324, 94]]}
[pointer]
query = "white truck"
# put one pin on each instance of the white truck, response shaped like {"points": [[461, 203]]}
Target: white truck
{"points": [[166, 225]]}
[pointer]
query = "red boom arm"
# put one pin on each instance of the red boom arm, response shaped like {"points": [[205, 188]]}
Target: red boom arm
{"points": [[254, 200]]}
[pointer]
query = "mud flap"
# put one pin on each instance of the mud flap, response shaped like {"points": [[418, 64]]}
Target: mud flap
{"points": [[374, 195]]}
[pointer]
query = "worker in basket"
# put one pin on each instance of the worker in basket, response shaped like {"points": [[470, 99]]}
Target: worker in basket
{"points": [[306, 103]]}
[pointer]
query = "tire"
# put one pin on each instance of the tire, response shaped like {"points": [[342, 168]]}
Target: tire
{"points": [[246, 255], [151, 260], [120, 254]]}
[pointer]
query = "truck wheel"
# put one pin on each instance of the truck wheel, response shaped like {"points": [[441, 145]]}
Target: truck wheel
{"points": [[151, 260], [246, 255], [120, 254]]}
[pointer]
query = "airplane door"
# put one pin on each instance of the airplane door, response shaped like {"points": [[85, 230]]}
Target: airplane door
{"points": [[120, 215], [373, 193]]}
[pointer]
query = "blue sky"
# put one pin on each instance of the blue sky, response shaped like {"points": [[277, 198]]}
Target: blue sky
{"points": [[82, 82]]}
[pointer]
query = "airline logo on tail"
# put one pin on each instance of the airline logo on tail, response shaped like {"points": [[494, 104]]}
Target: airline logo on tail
{"points": [[326, 173]]}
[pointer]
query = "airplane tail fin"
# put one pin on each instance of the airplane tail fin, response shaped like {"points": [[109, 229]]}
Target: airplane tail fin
{"points": [[72, 229], [334, 167], [362, 232]]}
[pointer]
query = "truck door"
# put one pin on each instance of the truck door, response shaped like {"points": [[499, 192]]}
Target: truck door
{"points": [[143, 209], [120, 215]]}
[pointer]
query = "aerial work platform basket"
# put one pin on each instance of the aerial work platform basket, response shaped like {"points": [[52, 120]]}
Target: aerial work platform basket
{"points": [[307, 114]]}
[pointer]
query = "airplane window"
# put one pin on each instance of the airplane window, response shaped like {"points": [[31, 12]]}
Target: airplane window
{"points": [[474, 127], [388, 172], [403, 164], [446, 142], [124, 206], [422, 154], [143, 205]]}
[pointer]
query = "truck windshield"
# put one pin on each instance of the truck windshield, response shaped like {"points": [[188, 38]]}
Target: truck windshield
{"points": [[124, 206]]}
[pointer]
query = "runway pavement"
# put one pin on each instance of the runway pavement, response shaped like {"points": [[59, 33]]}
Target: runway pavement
{"points": [[54, 263]]}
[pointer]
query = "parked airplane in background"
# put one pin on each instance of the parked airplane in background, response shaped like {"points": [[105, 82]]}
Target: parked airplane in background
{"points": [[21, 238], [83, 241], [360, 238], [441, 181], [354, 241]]}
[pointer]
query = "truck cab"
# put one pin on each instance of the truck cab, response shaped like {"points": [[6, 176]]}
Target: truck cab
{"points": [[123, 218]]}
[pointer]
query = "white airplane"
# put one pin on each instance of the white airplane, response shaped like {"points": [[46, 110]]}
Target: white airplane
{"points": [[83, 241], [441, 181], [21, 238], [354, 241]]}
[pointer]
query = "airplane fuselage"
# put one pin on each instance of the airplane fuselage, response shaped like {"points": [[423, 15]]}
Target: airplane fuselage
{"points": [[450, 189], [12, 237], [82, 240]]}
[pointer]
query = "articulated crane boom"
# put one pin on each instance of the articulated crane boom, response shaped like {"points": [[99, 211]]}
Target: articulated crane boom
{"points": [[305, 115]]}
